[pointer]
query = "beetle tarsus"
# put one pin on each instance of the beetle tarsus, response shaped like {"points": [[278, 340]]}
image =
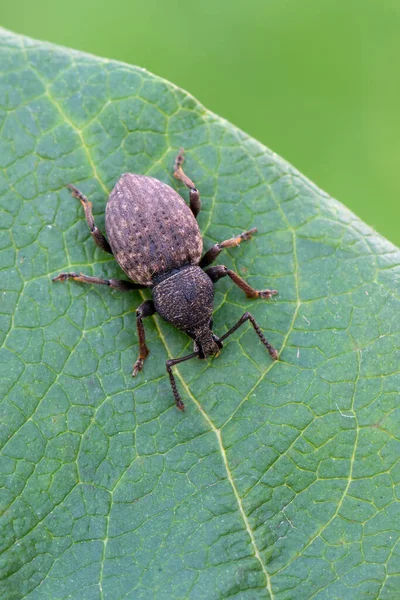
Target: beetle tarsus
{"points": [[247, 235], [137, 367], [179, 160], [266, 294], [236, 241], [78, 194]]}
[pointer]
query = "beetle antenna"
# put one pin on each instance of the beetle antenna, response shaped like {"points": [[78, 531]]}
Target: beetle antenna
{"points": [[169, 364]]}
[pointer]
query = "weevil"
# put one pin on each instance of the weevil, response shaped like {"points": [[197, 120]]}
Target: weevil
{"points": [[154, 236]]}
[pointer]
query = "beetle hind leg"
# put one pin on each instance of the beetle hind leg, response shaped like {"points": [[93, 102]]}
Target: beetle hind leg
{"points": [[98, 237], [116, 284]]}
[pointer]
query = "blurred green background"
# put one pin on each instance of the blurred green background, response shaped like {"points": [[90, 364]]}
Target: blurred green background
{"points": [[318, 81]]}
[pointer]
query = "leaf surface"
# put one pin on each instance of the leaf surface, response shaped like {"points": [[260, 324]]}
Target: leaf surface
{"points": [[281, 480]]}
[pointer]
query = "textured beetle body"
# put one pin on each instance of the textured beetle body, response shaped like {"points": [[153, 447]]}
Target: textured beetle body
{"points": [[185, 299], [150, 228], [154, 236]]}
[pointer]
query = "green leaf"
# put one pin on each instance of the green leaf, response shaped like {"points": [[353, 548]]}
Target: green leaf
{"points": [[281, 479]]}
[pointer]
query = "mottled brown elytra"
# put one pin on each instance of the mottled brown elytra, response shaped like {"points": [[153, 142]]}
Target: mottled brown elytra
{"points": [[155, 238]]}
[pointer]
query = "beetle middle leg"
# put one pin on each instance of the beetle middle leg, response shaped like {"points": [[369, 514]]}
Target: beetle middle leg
{"points": [[219, 271], [213, 252], [146, 309], [98, 237], [194, 196]]}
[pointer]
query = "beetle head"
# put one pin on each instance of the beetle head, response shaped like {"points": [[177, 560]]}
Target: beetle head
{"points": [[206, 343]]}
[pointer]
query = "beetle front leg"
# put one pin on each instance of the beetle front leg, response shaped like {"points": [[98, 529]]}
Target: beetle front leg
{"points": [[219, 271], [194, 196], [146, 309], [213, 252]]}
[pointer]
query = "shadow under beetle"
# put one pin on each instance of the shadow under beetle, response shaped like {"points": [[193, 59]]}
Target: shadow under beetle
{"points": [[155, 238]]}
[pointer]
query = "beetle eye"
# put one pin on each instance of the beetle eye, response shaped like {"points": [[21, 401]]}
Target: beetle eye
{"points": [[218, 341], [211, 323], [197, 348]]}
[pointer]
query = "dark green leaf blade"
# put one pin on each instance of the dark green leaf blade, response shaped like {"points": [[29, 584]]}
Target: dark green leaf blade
{"points": [[281, 480]]}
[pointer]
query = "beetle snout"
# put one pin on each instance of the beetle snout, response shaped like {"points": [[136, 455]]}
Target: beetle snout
{"points": [[207, 345]]}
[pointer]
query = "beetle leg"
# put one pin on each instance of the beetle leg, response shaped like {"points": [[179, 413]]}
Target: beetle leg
{"points": [[98, 237], [248, 317], [213, 252], [146, 309], [219, 271], [117, 284], [169, 364], [194, 196]]}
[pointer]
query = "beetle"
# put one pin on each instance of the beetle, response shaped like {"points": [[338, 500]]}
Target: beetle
{"points": [[154, 236]]}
